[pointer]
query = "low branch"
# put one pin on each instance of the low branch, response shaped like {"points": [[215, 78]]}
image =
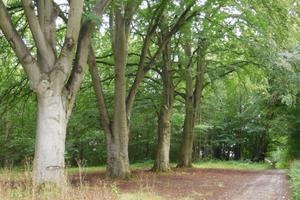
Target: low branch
{"points": [[97, 85]]}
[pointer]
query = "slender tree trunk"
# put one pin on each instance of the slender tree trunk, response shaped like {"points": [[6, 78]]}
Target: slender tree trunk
{"points": [[162, 162], [192, 101], [50, 139], [185, 158], [7, 128]]}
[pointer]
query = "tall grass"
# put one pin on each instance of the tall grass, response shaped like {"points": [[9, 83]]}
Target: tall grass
{"points": [[18, 186], [294, 173]]}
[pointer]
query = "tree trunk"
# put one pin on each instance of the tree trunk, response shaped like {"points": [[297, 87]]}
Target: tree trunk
{"points": [[50, 139], [192, 101], [162, 163], [117, 141], [7, 128], [117, 157], [48, 73], [185, 159], [116, 133]]}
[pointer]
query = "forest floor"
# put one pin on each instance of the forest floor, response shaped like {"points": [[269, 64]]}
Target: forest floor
{"points": [[209, 180], [202, 184]]}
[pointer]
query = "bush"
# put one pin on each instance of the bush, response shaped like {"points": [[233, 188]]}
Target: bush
{"points": [[294, 174], [280, 156]]}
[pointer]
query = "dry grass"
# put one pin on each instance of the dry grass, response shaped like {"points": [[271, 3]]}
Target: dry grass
{"points": [[98, 191], [17, 185], [22, 189]]}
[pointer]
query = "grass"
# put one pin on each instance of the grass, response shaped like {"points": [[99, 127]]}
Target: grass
{"points": [[211, 164], [239, 165], [135, 166], [294, 174], [22, 186]]}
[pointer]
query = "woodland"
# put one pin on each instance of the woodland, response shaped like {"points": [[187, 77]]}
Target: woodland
{"points": [[117, 82]]}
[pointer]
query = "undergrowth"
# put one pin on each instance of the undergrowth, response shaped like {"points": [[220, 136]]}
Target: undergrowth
{"points": [[294, 173]]}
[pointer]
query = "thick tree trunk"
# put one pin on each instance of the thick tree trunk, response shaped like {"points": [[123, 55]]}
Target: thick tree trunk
{"points": [[116, 132], [48, 74], [162, 163], [117, 141], [50, 139], [117, 157], [118, 161]]}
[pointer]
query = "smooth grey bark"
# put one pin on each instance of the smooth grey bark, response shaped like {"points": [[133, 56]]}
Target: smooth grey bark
{"points": [[50, 138], [117, 141]]}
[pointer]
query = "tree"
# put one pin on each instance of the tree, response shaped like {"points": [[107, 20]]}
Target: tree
{"points": [[162, 163], [48, 73], [117, 130]]}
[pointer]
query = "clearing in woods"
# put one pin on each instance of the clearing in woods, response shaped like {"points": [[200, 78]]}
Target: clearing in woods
{"points": [[203, 184]]}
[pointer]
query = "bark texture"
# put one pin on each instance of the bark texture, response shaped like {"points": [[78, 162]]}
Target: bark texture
{"points": [[185, 159], [50, 139], [117, 142], [192, 100], [162, 159]]}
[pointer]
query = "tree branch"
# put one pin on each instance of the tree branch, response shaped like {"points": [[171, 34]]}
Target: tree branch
{"points": [[104, 117], [81, 58], [37, 33], [142, 71], [72, 34], [28, 62]]}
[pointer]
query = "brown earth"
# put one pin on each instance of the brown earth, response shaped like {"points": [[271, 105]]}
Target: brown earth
{"points": [[202, 184]]}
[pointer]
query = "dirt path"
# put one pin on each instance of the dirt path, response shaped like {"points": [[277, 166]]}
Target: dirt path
{"points": [[266, 186], [206, 184]]}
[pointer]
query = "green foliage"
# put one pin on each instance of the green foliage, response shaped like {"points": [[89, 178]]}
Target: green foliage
{"points": [[233, 118], [294, 134], [250, 102], [294, 173], [280, 156]]}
